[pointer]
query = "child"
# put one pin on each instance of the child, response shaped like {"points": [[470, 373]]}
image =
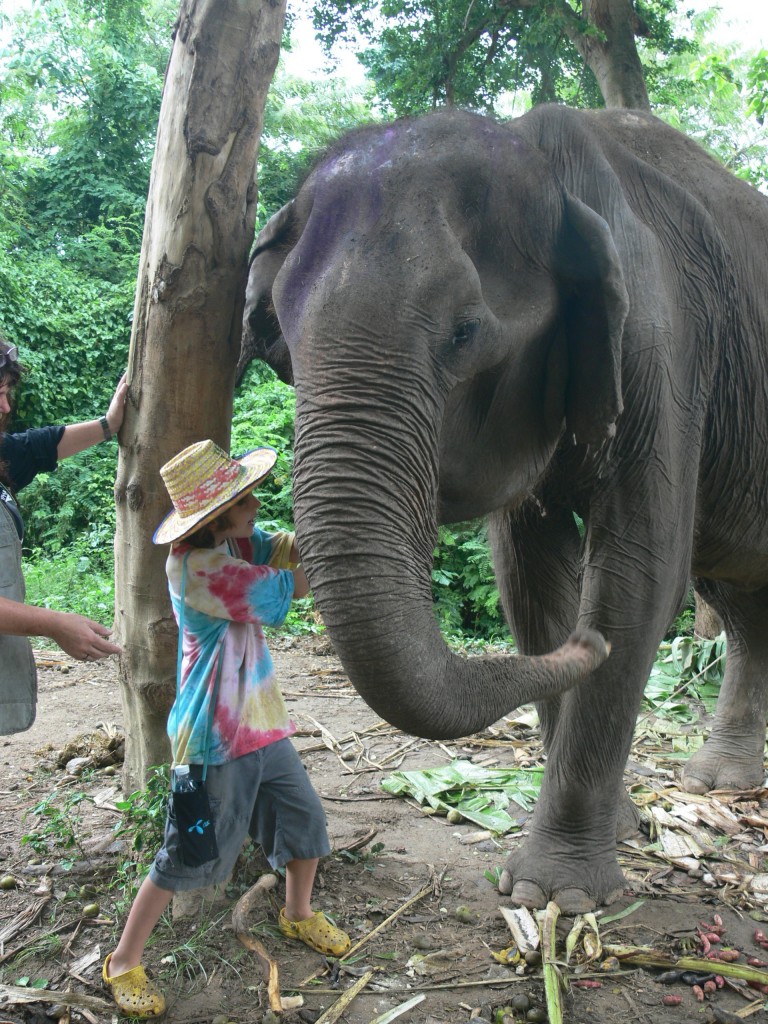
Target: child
{"points": [[234, 580]]}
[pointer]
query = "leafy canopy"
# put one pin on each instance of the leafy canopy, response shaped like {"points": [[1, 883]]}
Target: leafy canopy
{"points": [[425, 53]]}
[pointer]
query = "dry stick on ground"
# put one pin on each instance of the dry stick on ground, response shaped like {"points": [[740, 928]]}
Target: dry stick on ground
{"points": [[361, 799], [417, 741], [8, 953], [424, 891], [522, 979], [23, 920], [381, 728], [240, 927], [329, 740], [358, 844], [431, 885], [11, 995], [334, 1012]]}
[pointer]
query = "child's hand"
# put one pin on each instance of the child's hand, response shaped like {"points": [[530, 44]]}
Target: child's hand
{"points": [[300, 583]]}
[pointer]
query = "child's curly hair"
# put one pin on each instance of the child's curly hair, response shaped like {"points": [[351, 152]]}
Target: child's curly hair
{"points": [[11, 373]]}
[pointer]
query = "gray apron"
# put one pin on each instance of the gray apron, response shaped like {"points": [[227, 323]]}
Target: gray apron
{"points": [[18, 675]]}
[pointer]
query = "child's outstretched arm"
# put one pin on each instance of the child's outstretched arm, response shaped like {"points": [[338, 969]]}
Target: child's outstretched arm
{"points": [[300, 582]]}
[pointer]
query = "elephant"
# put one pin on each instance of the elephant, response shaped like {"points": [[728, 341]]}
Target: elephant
{"points": [[563, 315]]}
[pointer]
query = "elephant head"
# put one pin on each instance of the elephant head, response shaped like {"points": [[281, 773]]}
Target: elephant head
{"points": [[450, 317]]}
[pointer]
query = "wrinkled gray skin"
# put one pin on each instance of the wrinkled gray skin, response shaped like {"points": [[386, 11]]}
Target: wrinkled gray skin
{"points": [[564, 313]]}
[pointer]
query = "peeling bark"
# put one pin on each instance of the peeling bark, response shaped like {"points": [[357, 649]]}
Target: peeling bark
{"points": [[185, 342]]}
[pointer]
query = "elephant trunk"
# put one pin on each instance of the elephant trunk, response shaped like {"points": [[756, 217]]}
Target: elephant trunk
{"points": [[365, 517]]}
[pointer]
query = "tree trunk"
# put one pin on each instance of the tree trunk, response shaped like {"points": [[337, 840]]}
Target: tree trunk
{"points": [[198, 230], [708, 623], [613, 59]]}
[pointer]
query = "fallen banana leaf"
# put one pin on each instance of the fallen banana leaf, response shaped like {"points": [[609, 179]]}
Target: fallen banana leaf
{"points": [[552, 977], [481, 795], [585, 925], [647, 956], [623, 913]]}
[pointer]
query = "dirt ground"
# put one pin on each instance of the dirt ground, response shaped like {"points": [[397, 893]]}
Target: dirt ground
{"points": [[414, 890]]}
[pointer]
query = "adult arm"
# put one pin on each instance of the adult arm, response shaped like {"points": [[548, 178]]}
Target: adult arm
{"points": [[78, 636], [79, 436]]}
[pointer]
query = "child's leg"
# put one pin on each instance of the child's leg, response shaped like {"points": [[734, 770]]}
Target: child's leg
{"points": [[146, 911], [299, 879]]}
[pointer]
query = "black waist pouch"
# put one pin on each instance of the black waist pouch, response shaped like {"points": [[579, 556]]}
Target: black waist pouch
{"points": [[190, 810]]}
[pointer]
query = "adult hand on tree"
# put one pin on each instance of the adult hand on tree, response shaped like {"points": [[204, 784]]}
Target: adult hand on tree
{"points": [[79, 436], [116, 410], [82, 638]]}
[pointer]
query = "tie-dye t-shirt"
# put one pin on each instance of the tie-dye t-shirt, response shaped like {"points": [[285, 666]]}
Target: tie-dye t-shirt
{"points": [[231, 592]]}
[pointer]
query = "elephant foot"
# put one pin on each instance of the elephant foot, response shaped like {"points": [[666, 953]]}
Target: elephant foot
{"points": [[723, 765], [533, 877]]}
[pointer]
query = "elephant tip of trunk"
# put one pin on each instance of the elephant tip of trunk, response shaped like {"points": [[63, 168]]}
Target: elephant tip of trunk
{"points": [[588, 647]]}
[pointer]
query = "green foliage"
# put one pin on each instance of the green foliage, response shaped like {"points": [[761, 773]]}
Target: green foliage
{"points": [[690, 659], [142, 828], [465, 595], [77, 120], [757, 86], [59, 827], [263, 414], [78, 112], [686, 668], [717, 95], [426, 53], [301, 119], [364, 857], [463, 790], [79, 578]]}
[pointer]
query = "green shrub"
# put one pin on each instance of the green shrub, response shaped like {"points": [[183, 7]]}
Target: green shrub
{"points": [[76, 579], [465, 595]]}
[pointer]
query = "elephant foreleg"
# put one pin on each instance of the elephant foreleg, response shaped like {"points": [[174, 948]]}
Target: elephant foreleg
{"points": [[570, 853], [536, 558], [732, 757]]}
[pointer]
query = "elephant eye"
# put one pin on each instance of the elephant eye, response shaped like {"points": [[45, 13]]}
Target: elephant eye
{"points": [[465, 332]]}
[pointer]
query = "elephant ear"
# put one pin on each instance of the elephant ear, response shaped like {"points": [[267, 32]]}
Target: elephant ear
{"points": [[262, 337], [596, 307]]}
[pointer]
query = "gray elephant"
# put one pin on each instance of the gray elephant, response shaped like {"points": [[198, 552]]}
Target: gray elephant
{"points": [[567, 313]]}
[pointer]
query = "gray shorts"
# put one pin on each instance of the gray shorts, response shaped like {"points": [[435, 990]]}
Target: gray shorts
{"points": [[266, 795]]}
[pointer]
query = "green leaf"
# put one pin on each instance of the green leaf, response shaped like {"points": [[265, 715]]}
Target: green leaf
{"points": [[481, 795]]}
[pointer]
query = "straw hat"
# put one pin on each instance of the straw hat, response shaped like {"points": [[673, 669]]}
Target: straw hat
{"points": [[203, 481]]}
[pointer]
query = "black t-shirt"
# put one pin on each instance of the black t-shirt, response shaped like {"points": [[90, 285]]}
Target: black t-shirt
{"points": [[25, 455], [29, 453]]}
